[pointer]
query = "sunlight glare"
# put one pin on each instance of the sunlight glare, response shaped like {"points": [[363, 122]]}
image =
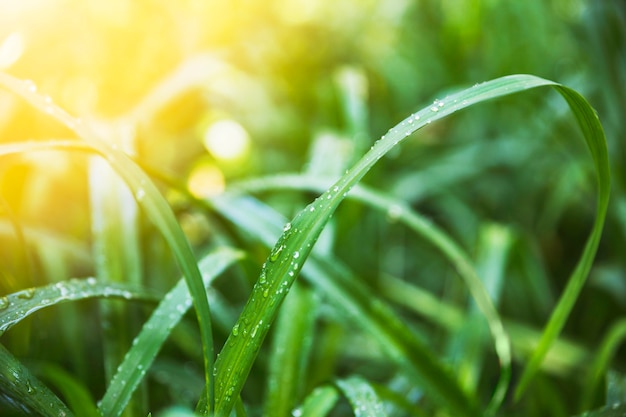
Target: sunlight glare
{"points": [[227, 140]]}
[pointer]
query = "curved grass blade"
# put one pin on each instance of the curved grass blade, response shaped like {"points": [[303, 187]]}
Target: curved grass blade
{"points": [[155, 331], [318, 403], [362, 397], [17, 306], [596, 142], [76, 395], [150, 200], [290, 353], [298, 236], [18, 383]]}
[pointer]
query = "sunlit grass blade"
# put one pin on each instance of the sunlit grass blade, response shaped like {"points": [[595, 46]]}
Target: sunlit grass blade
{"points": [[291, 347], [75, 394], [150, 200], [318, 403], [18, 383], [154, 333], [17, 306], [362, 397]]}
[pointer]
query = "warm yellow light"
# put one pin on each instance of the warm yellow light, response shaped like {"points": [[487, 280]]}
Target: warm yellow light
{"points": [[206, 180], [11, 49], [227, 140]]}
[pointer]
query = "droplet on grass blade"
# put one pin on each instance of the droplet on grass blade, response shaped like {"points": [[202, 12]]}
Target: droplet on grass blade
{"points": [[4, 303], [27, 294]]}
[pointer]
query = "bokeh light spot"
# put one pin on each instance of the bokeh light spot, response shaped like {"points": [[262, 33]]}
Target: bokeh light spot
{"points": [[11, 49], [227, 140], [206, 180]]}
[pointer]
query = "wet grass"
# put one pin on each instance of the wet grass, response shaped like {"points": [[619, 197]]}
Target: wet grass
{"points": [[467, 262]]}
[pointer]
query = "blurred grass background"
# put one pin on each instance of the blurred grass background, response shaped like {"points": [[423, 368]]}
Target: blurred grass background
{"points": [[213, 92]]}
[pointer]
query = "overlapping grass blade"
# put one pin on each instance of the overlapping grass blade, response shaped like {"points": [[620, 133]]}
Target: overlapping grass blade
{"points": [[18, 383], [155, 331], [295, 244], [362, 397], [150, 200], [290, 353], [17, 306]]}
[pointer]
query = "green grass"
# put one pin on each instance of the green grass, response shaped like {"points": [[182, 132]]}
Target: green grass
{"points": [[466, 263]]}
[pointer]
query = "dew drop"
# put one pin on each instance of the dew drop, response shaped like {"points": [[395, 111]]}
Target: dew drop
{"points": [[30, 85], [236, 330], [26, 294], [312, 209], [296, 255], [4, 303], [276, 252], [266, 293], [263, 278], [287, 227], [434, 109], [141, 193]]}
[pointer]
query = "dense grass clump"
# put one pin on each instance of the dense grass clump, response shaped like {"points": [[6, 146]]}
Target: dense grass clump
{"points": [[213, 224]]}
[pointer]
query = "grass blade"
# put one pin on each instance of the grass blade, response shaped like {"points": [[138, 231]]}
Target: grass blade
{"points": [[18, 383], [290, 353], [362, 396], [17, 306], [77, 396], [318, 403], [154, 333], [596, 142], [150, 200]]}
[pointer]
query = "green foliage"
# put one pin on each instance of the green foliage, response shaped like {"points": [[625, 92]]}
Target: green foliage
{"points": [[473, 268]]}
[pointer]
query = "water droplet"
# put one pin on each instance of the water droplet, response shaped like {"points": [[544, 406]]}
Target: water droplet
{"points": [[4, 303], [266, 292], [236, 329], [441, 103], [287, 227], [291, 274], [276, 252], [30, 85], [335, 188], [434, 109], [91, 281], [296, 255], [141, 193], [263, 277], [312, 209], [26, 294]]}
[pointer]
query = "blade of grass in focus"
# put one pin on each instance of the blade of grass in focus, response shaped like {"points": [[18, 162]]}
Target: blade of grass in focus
{"points": [[295, 244], [17, 306], [148, 197]]}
